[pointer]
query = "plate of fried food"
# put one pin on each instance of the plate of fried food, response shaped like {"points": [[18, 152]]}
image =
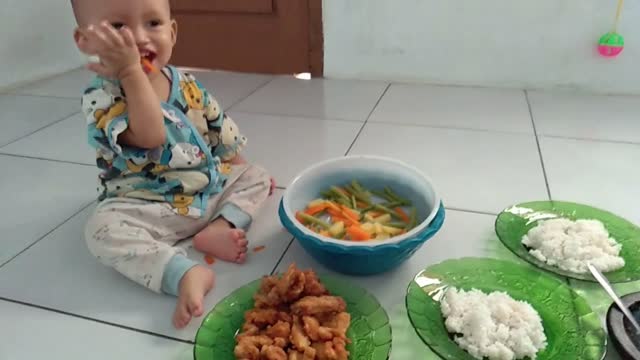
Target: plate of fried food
{"points": [[297, 315]]}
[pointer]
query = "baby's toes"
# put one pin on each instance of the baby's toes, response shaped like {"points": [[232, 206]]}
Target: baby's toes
{"points": [[242, 258], [195, 307], [181, 317], [242, 243]]}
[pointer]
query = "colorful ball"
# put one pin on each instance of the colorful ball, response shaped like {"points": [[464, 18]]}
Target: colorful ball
{"points": [[610, 44]]}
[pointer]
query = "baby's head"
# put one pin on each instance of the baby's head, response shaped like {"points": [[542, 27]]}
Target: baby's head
{"points": [[150, 22]]}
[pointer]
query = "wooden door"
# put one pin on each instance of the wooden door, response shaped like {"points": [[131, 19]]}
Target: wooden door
{"points": [[260, 36]]}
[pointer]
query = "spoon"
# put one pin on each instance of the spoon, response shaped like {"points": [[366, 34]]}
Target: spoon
{"points": [[607, 287]]}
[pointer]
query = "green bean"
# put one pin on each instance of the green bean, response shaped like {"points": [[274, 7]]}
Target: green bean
{"points": [[353, 202], [388, 211], [339, 194], [314, 220], [396, 197], [365, 194], [360, 196], [382, 195]]}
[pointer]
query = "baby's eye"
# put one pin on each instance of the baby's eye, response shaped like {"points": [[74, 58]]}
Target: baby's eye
{"points": [[155, 23], [117, 25]]}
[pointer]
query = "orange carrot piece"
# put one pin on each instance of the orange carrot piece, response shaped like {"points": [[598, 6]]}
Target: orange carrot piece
{"points": [[299, 218], [357, 234], [315, 210], [259, 248], [375, 214], [402, 214], [361, 205], [209, 259], [324, 233], [332, 206], [343, 191]]}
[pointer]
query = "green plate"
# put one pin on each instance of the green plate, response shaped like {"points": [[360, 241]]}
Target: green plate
{"points": [[370, 332], [572, 329], [516, 221]]}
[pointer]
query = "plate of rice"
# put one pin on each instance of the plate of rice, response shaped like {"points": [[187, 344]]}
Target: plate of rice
{"points": [[564, 237], [476, 308]]}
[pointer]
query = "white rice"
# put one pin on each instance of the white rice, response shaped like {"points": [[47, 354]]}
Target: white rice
{"points": [[571, 245], [494, 326]]}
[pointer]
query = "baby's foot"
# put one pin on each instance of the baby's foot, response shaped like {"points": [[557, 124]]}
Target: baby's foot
{"points": [[195, 284], [219, 239]]}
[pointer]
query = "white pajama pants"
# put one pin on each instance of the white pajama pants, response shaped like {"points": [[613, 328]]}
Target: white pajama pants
{"points": [[137, 237]]}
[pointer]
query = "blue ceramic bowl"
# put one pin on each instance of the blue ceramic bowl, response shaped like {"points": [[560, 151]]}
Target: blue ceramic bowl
{"points": [[363, 258]]}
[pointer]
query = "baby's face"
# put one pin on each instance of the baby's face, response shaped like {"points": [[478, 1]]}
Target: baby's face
{"points": [[149, 20]]}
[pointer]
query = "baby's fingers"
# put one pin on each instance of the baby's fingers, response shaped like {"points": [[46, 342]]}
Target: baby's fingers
{"points": [[111, 35], [99, 69], [127, 36], [98, 38]]}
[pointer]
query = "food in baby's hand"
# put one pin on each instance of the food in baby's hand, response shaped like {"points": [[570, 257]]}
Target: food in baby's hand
{"points": [[572, 245], [493, 326], [294, 317], [352, 212]]}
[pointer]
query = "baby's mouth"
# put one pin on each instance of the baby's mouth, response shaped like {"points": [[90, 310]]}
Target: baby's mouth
{"points": [[146, 58], [148, 55]]}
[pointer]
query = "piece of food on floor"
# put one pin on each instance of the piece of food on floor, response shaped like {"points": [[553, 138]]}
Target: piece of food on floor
{"points": [[494, 325], [294, 318], [572, 245]]}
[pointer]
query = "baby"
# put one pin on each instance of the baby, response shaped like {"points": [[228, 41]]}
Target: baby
{"points": [[169, 156]]}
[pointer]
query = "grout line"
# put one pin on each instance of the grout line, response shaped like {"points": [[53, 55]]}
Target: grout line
{"points": [[62, 312], [228, 108], [41, 128], [44, 159], [535, 131], [282, 256], [623, 142], [367, 119], [471, 211], [42, 96], [463, 128], [48, 233], [306, 117]]}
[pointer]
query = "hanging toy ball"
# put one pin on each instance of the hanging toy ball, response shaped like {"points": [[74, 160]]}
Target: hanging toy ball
{"points": [[611, 44]]}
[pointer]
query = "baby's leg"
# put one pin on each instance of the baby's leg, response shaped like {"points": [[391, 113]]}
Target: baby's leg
{"points": [[136, 237], [246, 191]]}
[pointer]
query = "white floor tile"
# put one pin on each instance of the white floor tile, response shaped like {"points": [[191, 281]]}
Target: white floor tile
{"points": [[586, 116], [39, 195], [30, 333], [472, 170], [457, 107], [65, 141], [287, 145], [462, 235], [22, 115], [600, 174], [68, 85], [318, 98], [63, 275], [230, 87]]}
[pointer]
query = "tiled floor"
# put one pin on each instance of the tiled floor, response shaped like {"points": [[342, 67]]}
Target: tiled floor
{"points": [[480, 147]]}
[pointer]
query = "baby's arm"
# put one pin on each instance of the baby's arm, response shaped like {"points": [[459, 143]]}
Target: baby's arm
{"points": [[146, 123]]}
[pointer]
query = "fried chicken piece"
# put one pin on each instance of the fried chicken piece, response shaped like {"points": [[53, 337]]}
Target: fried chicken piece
{"points": [[249, 329], [316, 305], [248, 347], [291, 285], [338, 323], [340, 347], [268, 295], [271, 352], [261, 317], [312, 285], [314, 331], [297, 355], [281, 342], [281, 329], [298, 337], [331, 350]]}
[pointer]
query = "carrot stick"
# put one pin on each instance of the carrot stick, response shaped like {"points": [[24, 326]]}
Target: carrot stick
{"points": [[403, 215], [315, 209], [356, 233]]}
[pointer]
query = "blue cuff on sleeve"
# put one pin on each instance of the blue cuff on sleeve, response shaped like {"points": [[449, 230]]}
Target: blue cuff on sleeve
{"points": [[235, 215], [173, 273]]}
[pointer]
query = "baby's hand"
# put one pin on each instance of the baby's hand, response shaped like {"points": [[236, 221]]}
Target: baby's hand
{"points": [[117, 50]]}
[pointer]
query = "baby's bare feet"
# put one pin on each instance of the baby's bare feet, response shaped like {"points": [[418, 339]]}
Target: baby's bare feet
{"points": [[194, 285], [221, 240]]}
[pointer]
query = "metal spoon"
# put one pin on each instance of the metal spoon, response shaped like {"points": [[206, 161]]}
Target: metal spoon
{"points": [[607, 287]]}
